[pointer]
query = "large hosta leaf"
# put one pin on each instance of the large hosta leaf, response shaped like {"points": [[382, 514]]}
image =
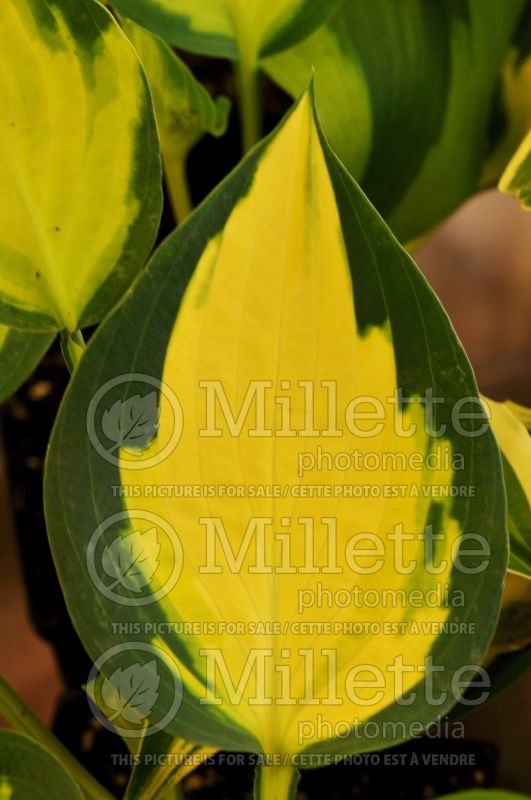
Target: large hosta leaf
{"points": [[229, 28], [20, 352], [79, 164], [286, 295], [29, 772], [405, 91]]}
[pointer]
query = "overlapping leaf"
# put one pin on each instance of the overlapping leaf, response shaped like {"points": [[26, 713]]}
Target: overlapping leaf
{"points": [[520, 412], [229, 27], [510, 653], [512, 110], [513, 632], [285, 293], [183, 108], [410, 116], [515, 445], [79, 164], [516, 178], [29, 772]]}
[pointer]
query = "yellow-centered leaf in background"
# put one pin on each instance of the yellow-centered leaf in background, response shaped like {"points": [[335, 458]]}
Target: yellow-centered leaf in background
{"points": [[79, 164]]}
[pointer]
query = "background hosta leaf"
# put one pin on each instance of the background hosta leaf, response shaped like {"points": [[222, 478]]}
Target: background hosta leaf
{"points": [[521, 412], [20, 352], [512, 112], [517, 176], [29, 772], [513, 631], [503, 670], [287, 276], [229, 27], [515, 445], [183, 108], [79, 164], [410, 119]]}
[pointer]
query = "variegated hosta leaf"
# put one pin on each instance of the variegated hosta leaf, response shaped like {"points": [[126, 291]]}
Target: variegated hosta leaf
{"points": [[30, 772], [512, 113], [79, 164], [516, 178], [277, 320], [183, 108], [514, 626], [520, 412], [229, 28], [398, 115], [509, 655], [515, 445], [20, 352]]}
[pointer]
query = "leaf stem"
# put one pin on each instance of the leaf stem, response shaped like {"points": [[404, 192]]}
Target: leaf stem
{"points": [[21, 718], [177, 184], [251, 121], [164, 781], [72, 346], [275, 783]]}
